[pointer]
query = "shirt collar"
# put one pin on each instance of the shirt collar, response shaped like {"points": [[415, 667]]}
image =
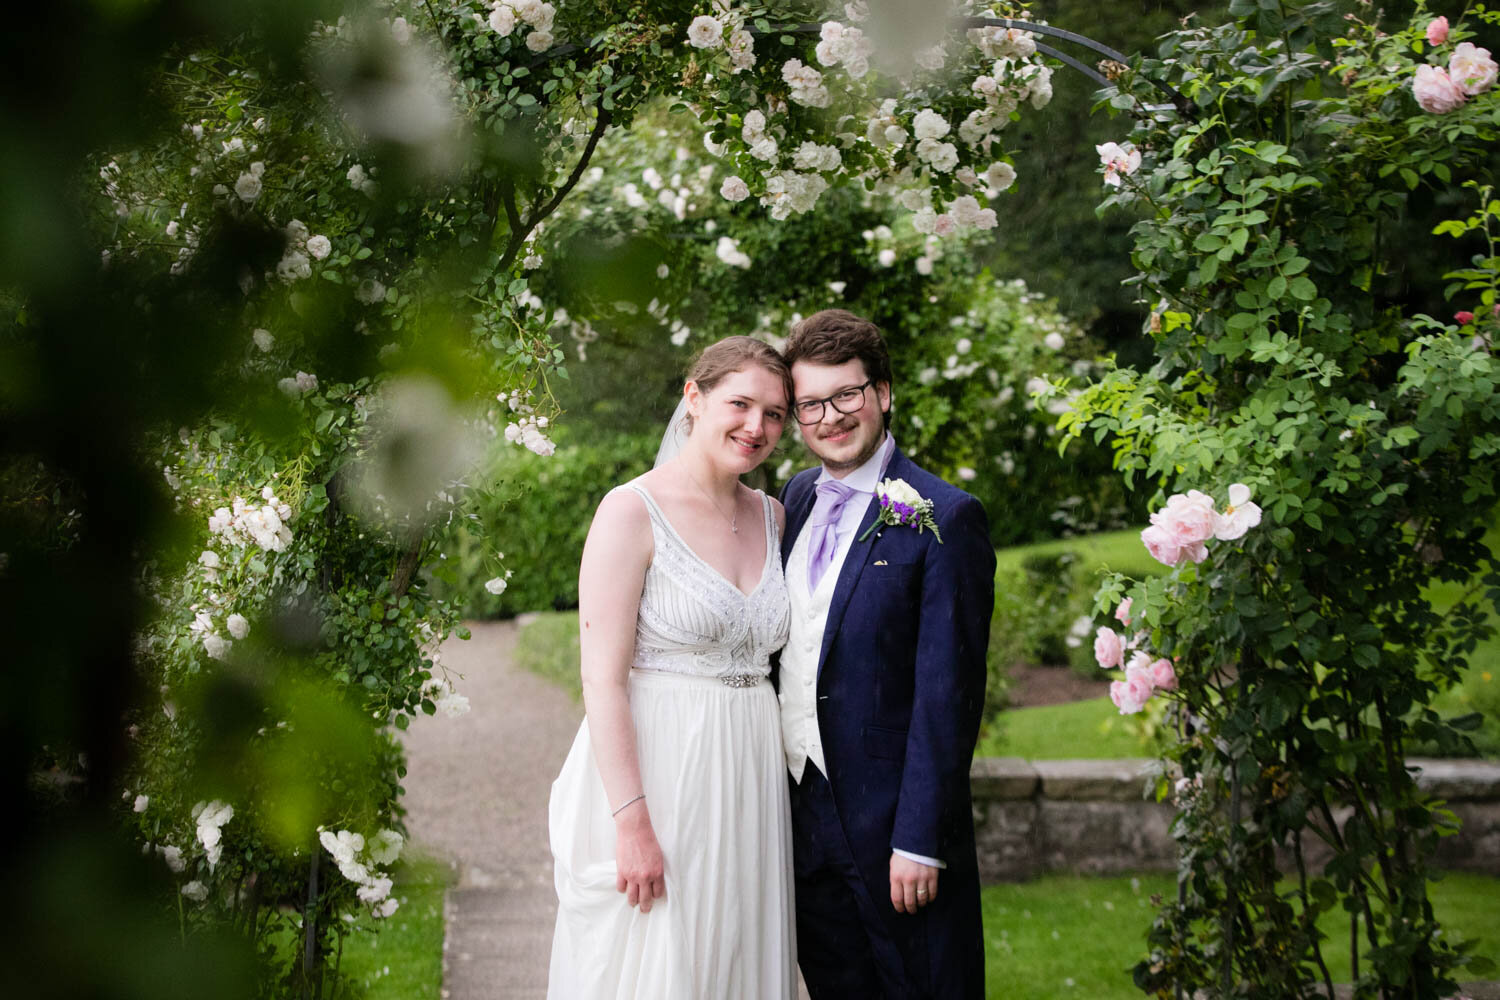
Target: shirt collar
{"points": [[867, 476]]}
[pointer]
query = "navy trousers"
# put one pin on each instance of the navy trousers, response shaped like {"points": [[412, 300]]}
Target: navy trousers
{"points": [[845, 945]]}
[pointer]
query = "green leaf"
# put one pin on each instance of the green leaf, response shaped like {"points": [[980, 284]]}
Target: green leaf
{"points": [[1303, 288], [1276, 289]]}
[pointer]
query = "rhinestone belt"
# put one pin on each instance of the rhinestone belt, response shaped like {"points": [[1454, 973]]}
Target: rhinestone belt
{"points": [[742, 680]]}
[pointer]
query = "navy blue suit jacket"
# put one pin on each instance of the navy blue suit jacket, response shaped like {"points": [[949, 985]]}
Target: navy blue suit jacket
{"points": [[901, 680]]}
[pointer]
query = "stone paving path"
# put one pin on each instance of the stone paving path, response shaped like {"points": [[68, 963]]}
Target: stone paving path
{"points": [[476, 788]]}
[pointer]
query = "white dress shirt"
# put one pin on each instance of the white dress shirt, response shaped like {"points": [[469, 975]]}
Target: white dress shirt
{"points": [[799, 658]]}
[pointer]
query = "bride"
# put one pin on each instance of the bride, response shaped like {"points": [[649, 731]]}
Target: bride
{"points": [[669, 823]]}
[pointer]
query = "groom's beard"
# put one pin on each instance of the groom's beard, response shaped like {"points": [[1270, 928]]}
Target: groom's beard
{"points": [[847, 464]]}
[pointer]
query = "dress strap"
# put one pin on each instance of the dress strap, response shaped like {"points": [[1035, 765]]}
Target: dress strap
{"points": [[773, 537]]}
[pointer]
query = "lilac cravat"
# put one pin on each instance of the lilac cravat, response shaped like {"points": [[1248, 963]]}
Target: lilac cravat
{"points": [[824, 544]]}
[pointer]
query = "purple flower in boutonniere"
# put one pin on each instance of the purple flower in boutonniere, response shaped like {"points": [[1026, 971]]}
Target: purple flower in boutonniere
{"points": [[900, 505]]}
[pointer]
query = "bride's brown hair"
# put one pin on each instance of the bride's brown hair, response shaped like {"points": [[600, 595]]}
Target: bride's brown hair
{"points": [[735, 354]]}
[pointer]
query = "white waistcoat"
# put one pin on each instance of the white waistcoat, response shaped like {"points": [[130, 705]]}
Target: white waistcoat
{"points": [[799, 658]]}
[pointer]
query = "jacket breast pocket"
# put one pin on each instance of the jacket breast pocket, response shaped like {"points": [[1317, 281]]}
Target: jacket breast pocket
{"points": [[886, 744], [897, 571]]}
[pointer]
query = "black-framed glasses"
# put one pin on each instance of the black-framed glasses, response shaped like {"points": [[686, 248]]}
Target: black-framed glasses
{"points": [[810, 411]]}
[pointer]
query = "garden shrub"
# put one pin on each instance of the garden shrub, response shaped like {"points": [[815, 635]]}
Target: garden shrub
{"points": [[1322, 458], [531, 511]]}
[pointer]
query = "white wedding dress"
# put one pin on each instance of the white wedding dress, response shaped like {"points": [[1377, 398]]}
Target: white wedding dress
{"points": [[708, 733]]}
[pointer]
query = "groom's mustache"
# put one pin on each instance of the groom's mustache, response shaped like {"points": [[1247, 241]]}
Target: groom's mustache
{"points": [[837, 428]]}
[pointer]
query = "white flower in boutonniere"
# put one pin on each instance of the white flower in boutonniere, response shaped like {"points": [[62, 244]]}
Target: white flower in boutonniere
{"points": [[902, 505]]}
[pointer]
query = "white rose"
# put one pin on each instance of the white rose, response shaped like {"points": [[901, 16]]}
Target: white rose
{"points": [[141, 802], [539, 41], [216, 646], [294, 267], [385, 847], [765, 149], [887, 258], [930, 125], [754, 127], [734, 189], [247, 187], [263, 339], [502, 20], [319, 246], [238, 626], [370, 291], [1000, 175], [899, 491], [196, 891], [1054, 341], [495, 585], [705, 32]]}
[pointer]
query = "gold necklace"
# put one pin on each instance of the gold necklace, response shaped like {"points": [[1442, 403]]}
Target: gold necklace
{"points": [[734, 522]]}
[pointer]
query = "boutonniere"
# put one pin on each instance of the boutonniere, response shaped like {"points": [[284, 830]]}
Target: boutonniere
{"points": [[902, 505]]}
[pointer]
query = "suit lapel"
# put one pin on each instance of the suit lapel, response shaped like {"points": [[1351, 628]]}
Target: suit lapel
{"points": [[856, 560], [798, 510]]}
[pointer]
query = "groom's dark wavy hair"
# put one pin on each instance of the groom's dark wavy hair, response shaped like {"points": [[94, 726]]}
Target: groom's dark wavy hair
{"points": [[834, 336]]}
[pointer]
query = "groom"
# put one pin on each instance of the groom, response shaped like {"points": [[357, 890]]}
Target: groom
{"points": [[881, 685]]}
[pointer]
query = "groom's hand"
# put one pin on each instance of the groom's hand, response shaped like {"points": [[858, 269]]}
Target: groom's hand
{"points": [[913, 884]]}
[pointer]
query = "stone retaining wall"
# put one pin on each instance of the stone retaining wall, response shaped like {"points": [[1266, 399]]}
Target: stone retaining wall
{"points": [[1094, 816]]}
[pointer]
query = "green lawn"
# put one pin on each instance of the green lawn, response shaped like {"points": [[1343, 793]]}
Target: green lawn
{"points": [[1069, 936], [1108, 550], [1077, 730], [547, 644], [401, 957]]}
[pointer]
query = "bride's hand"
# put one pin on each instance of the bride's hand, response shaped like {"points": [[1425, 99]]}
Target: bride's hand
{"points": [[638, 860]]}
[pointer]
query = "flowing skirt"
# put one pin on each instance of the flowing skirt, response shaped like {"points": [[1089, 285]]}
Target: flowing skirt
{"points": [[715, 780]]}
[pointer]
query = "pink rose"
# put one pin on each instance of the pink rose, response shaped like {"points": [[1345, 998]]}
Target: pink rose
{"points": [[1122, 613], [1437, 31], [1161, 546], [1163, 676], [1463, 317], [1471, 69], [1435, 92], [1131, 695], [1108, 650], [1188, 518]]}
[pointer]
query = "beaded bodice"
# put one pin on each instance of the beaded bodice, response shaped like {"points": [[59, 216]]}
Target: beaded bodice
{"points": [[694, 621]]}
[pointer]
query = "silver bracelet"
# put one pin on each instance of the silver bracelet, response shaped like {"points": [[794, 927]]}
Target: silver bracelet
{"points": [[626, 803]]}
